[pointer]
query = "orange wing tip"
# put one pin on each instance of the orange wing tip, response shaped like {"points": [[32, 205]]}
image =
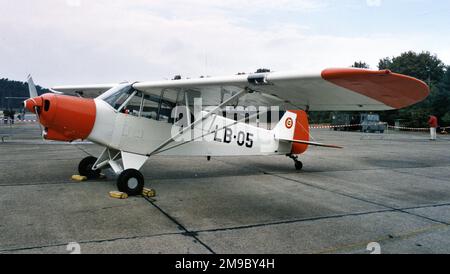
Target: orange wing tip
{"points": [[392, 89], [338, 73]]}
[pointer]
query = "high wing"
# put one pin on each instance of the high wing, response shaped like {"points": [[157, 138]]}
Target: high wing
{"points": [[88, 91], [347, 89]]}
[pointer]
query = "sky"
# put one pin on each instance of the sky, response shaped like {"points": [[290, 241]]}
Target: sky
{"points": [[102, 41]]}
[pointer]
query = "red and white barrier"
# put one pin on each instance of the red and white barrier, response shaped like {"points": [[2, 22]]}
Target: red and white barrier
{"points": [[21, 121], [409, 128], [388, 126], [25, 121], [330, 126]]}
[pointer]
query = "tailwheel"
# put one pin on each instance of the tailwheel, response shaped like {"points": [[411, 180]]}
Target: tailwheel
{"points": [[85, 168], [298, 165], [297, 162], [131, 181]]}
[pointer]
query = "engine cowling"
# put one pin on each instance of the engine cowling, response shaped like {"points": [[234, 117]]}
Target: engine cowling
{"points": [[65, 118]]}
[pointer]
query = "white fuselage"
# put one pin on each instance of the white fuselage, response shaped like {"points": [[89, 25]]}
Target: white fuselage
{"points": [[215, 136]]}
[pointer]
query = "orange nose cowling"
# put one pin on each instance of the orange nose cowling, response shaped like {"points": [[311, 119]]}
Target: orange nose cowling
{"points": [[30, 104], [65, 118]]}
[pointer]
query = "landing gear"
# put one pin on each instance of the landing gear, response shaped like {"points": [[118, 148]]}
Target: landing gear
{"points": [[298, 165], [131, 181], [297, 162], [124, 164], [85, 168]]}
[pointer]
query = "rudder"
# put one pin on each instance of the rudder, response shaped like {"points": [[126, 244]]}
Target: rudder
{"points": [[294, 125], [301, 132]]}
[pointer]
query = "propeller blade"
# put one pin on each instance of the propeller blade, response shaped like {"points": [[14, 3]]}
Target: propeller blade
{"points": [[32, 87], [36, 110]]}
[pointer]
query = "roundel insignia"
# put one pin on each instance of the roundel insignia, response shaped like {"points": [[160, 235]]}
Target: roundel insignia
{"points": [[289, 123]]}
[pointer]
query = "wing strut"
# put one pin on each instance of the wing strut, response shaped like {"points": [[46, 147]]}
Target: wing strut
{"points": [[201, 119], [211, 132]]}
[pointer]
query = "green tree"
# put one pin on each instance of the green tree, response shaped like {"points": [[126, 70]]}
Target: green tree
{"points": [[446, 119], [440, 100], [385, 63], [426, 67], [361, 64], [423, 66], [9, 88]]}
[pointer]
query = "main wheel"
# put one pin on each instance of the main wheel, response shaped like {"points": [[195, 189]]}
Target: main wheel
{"points": [[85, 168], [131, 181], [298, 165]]}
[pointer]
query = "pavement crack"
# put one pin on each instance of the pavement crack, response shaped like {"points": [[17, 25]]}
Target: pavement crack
{"points": [[324, 218], [186, 231], [88, 242], [392, 238], [38, 184], [422, 175], [293, 221], [360, 199], [347, 195]]}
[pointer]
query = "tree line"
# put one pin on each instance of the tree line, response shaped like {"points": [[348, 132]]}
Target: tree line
{"points": [[12, 93]]}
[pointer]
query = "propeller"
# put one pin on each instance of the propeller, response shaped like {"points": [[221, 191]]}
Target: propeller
{"points": [[33, 94], [36, 110]]}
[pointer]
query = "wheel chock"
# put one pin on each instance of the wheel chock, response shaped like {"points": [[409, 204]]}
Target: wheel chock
{"points": [[79, 178], [118, 195], [148, 192]]}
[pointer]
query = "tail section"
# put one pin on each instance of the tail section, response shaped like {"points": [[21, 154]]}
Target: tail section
{"points": [[301, 132], [294, 129], [294, 126]]}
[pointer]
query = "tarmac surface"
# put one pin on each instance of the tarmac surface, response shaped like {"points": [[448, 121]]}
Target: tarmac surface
{"points": [[393, 189]]}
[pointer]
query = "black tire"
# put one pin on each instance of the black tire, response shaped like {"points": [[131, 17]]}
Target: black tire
{"points": [[131, 181], [298, 165], [85, 168]]}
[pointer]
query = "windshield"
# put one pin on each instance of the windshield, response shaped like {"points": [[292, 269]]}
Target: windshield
{"points": [[118, 95]]}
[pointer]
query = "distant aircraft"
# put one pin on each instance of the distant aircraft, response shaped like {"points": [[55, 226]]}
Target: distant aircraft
{"points": [[135, 121]]}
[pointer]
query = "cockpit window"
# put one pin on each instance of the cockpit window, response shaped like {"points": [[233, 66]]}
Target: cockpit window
{"points": [[117, 96], [153, 107], [125, 99]]}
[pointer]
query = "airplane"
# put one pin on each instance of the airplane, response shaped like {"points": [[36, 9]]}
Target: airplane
{"points": [[184, 117]]}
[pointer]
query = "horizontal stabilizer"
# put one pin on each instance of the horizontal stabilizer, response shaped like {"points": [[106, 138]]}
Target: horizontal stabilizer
{"points": [[312, 143]]}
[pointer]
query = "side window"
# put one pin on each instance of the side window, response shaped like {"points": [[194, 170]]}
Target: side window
{"points": [[143, 105], [165, 112], [181, 114], [150, 107], [134, 105], [155, 108]]}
